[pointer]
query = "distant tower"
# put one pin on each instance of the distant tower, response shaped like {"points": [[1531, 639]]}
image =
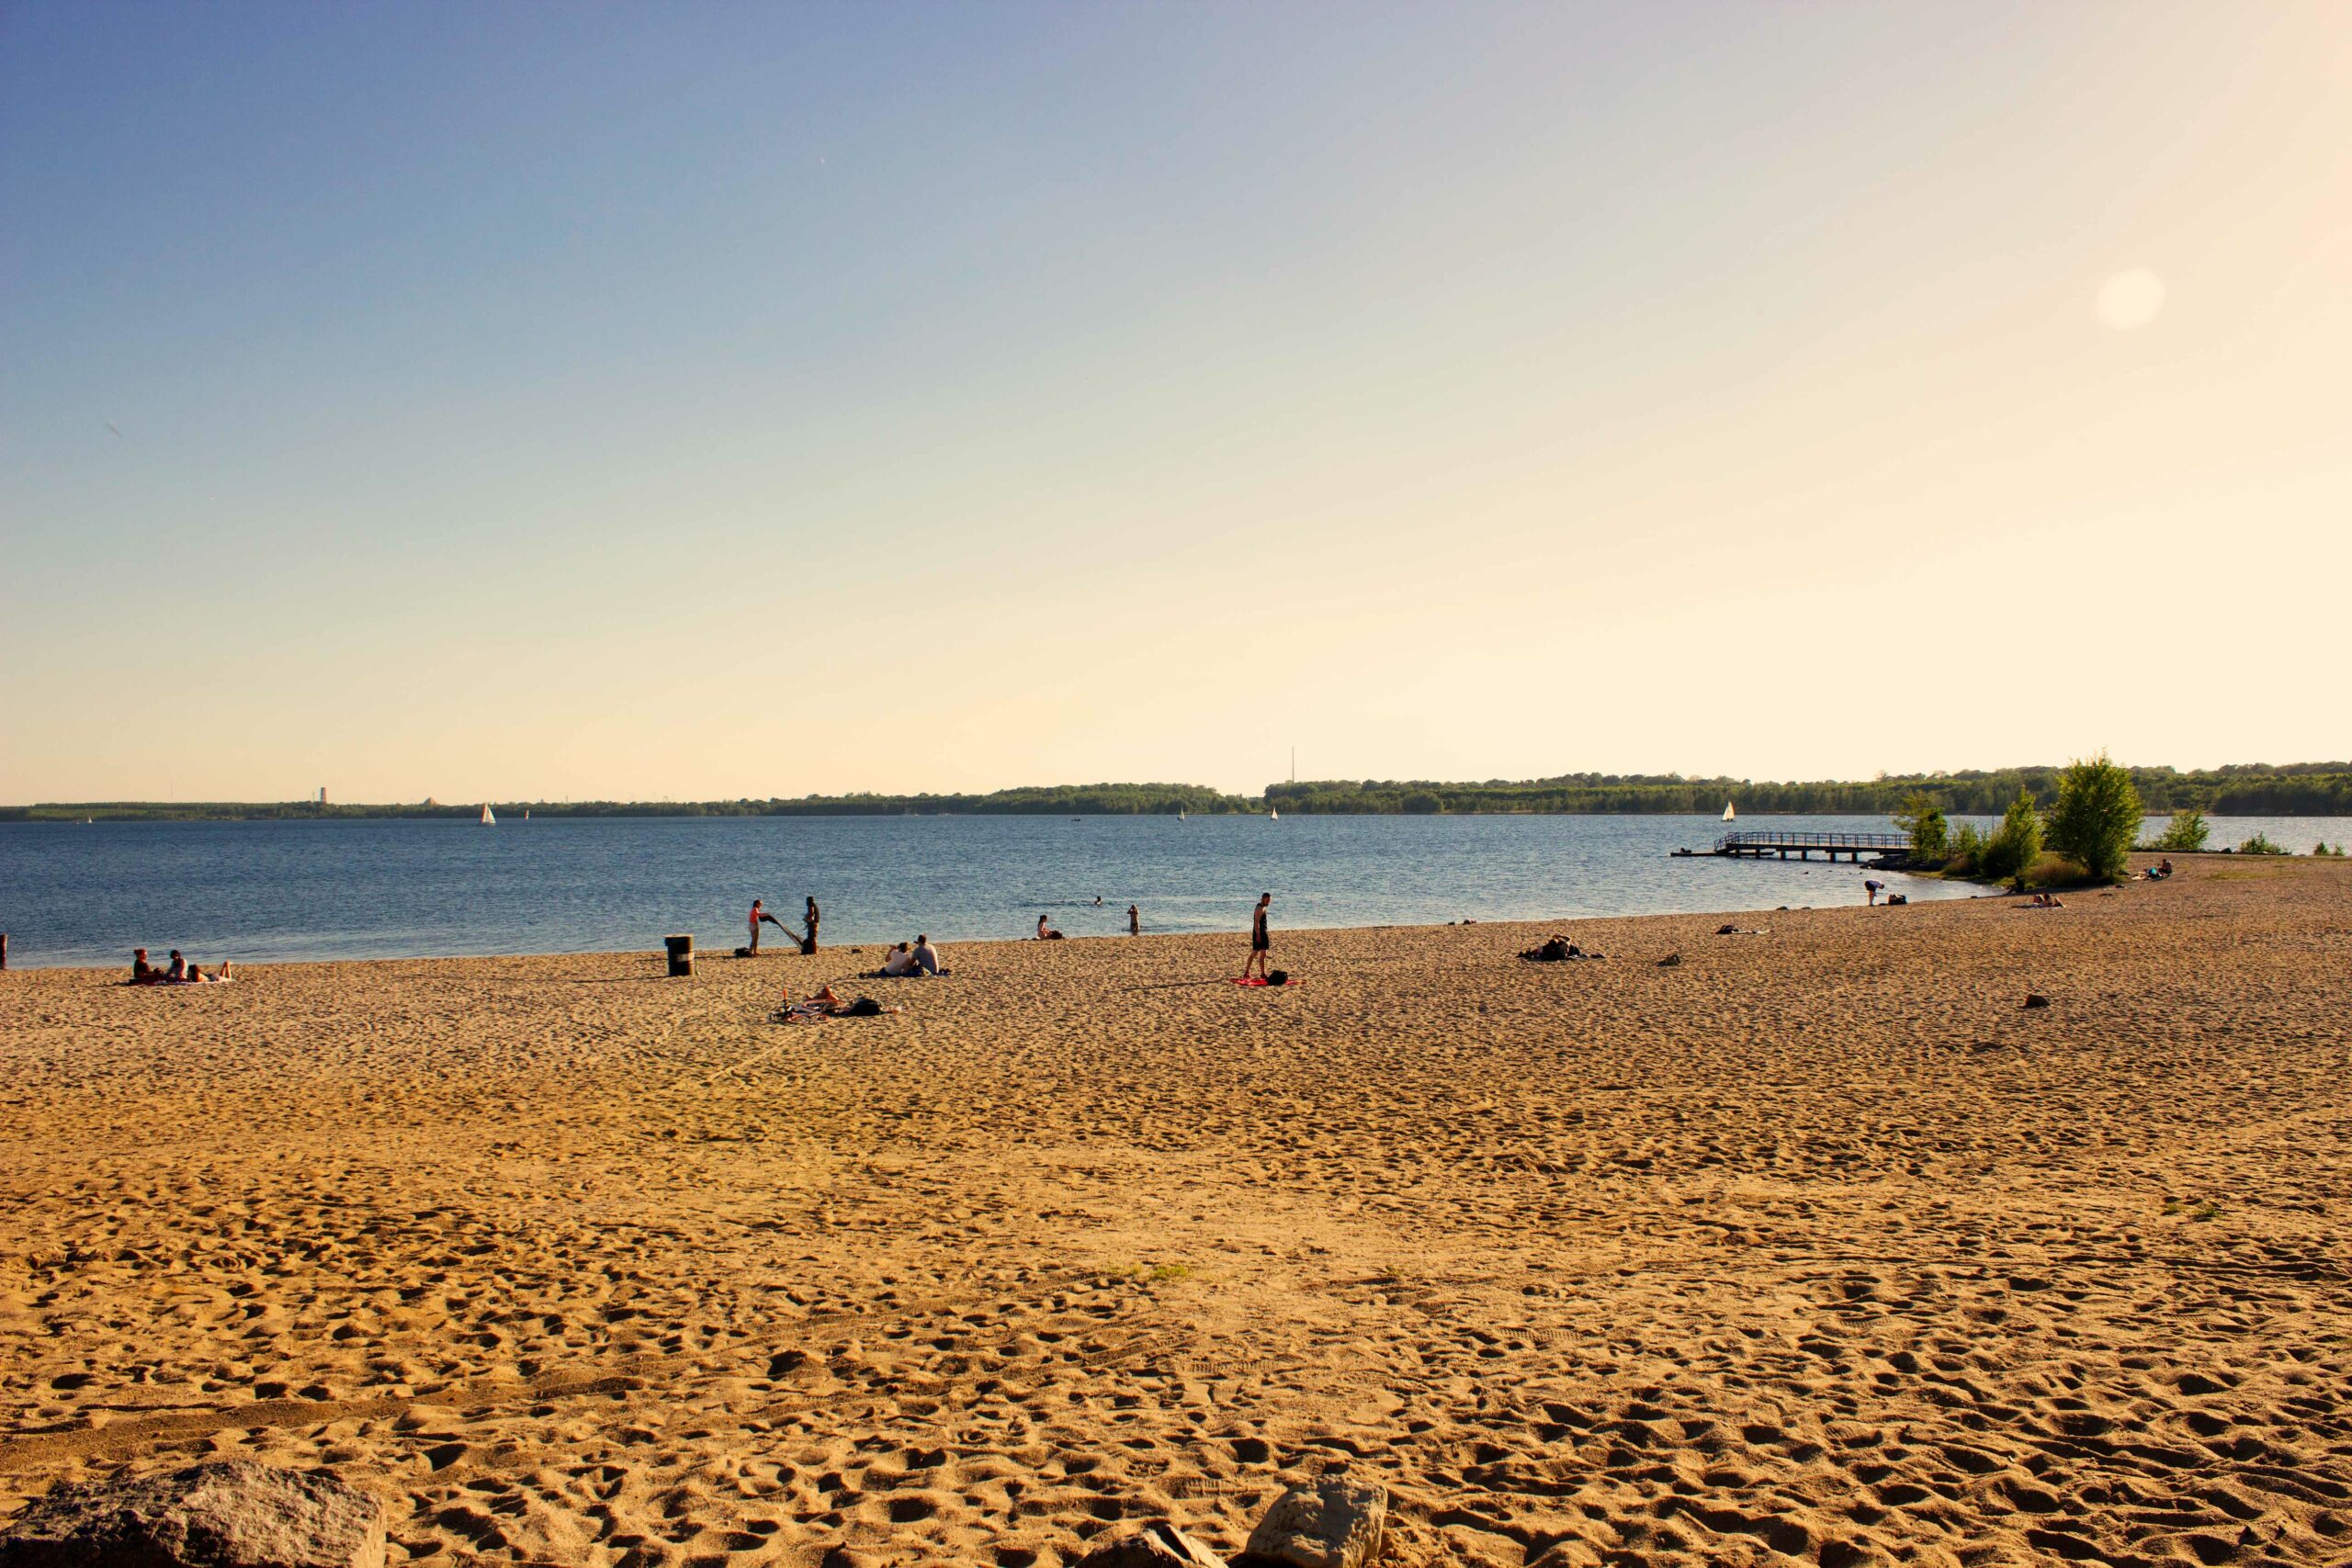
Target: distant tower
{"points": [[322, 795]]}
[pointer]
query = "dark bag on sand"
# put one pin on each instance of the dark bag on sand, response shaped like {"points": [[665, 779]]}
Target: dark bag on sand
{"points": [[1278, 977], [864, 1007]]}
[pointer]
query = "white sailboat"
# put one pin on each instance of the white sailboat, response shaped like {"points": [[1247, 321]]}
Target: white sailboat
{"points": [[1727, 811], [1273, 815], [488, 821], [1182, 816]]}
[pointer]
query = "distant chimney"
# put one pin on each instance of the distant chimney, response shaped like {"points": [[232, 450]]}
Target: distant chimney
{"points": [[322, 795]]}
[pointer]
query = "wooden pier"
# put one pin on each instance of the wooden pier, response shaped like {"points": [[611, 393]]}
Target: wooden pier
{"points": [[1780, 842]]}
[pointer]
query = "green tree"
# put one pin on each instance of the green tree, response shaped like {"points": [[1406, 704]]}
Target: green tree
{"points": [[2016, 845], [2096, 817], [1923, 820], [2186, 832]]}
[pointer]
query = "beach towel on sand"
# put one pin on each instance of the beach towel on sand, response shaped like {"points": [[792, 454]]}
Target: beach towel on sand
{"points": [[1253, 981]]}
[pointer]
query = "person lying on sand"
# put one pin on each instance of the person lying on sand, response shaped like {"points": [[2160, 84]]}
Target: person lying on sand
{"points": [[825, 1004], [1558, 950], [2044, 901]]}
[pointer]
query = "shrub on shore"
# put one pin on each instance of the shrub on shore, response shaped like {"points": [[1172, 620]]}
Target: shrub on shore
{"points": [[2014, 844], [2057, 871], [2096, 817], [2323, 850], [2260, 844], [2185, 834], [1966, 849], [1931, 833]]}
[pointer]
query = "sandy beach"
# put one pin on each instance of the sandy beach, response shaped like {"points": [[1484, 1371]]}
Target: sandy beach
{"points": [[1818, 1247]]}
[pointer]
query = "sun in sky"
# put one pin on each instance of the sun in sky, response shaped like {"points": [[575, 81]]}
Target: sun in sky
{"points": [[2130, 299]]}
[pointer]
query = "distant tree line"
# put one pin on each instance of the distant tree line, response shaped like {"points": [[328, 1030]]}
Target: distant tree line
{"points": [[2302, 789], [2305, 789], [1072, 800]]}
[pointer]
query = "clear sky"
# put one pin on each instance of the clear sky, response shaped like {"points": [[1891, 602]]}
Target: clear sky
{"points": [[524, 401]]}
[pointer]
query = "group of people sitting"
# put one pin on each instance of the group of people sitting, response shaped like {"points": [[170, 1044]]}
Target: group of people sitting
{"points": [[1559, 950], [914, 961], [2159, 871], [179, 972]]}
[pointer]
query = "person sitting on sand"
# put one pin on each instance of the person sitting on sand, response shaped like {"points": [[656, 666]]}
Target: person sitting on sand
{"points": [[1047, 932], [141, 972], [927, 957], [901, 961], [180, 972]]}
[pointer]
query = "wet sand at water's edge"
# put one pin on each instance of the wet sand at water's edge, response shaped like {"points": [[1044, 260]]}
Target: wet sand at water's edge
{"points": [[1816, 1247]]}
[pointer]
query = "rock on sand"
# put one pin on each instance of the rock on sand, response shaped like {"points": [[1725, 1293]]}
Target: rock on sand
{"points": [[221, 1514]]}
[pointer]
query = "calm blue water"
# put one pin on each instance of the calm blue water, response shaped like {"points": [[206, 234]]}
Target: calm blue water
{"points": [[267, 891]]}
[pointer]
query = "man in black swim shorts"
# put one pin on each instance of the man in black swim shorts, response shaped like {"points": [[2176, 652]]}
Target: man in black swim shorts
{"points": [[1260, 942]]}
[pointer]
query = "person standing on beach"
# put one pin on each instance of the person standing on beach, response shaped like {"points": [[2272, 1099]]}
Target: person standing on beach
{"points": [[809, 943], [1135, 921], [1261, 944], [759, 915]]}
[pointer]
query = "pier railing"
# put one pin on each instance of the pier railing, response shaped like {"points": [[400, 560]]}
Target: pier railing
{"points": [[1759, 842], [1775, 838]]}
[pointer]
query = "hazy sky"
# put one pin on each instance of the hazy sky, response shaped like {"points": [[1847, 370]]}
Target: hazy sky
{"points": [[528, 401]]}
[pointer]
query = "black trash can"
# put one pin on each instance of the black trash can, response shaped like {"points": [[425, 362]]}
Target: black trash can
{"points": [[682, 954]]}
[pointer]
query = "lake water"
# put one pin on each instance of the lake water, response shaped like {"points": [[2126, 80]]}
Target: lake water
{"points": [[272, 891]]}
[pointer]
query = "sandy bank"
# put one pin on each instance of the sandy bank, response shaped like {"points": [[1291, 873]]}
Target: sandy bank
{"points": [[1815, 1246]]}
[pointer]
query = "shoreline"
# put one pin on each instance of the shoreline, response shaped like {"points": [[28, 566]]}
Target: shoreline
{"points": [[1237, 938], [1819, 1239]]}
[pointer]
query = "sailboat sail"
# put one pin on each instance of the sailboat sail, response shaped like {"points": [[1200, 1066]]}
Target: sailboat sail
{"points": [[487, 819], [1727, 812]]}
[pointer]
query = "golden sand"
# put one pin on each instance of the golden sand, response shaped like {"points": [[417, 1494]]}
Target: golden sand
{"points": [[1816, 1247]]}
